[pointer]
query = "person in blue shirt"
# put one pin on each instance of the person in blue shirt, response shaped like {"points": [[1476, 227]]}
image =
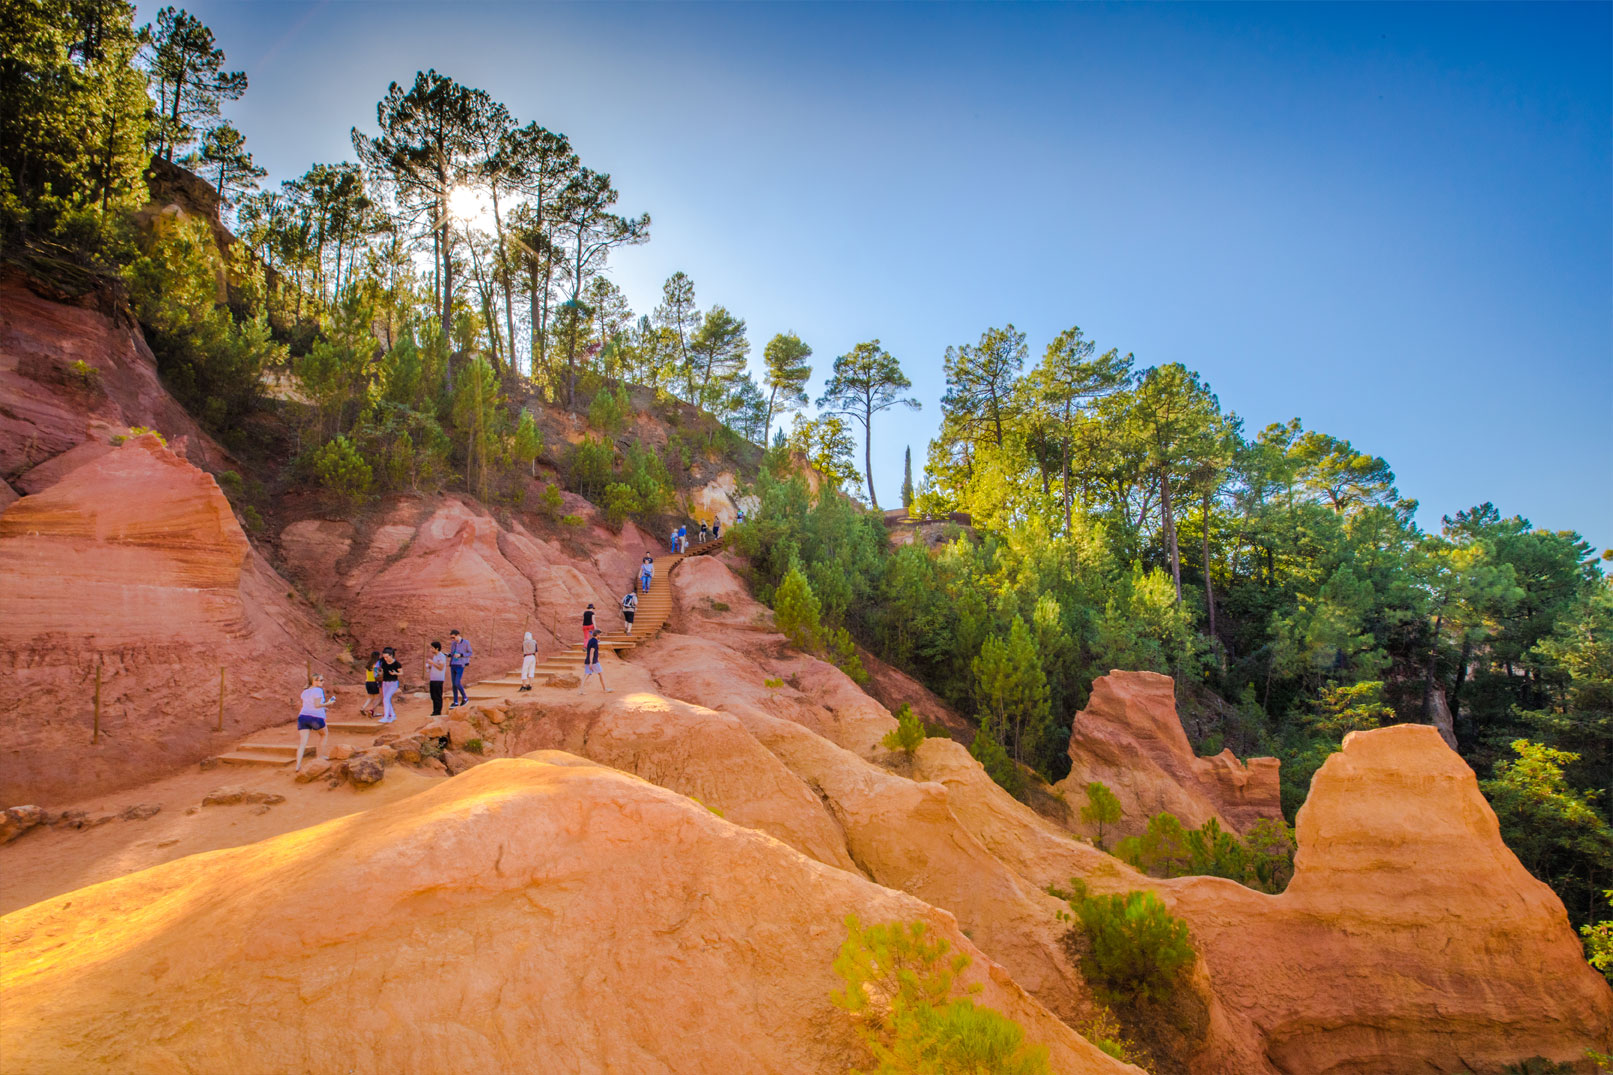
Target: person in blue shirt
{"points": [[459, 655]]}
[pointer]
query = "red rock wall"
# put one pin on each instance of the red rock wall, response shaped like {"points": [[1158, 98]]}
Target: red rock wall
{"points": [[134, 560], [1130, 738]]}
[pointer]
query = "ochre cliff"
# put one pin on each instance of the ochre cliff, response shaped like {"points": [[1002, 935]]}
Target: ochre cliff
{"points": [[1129, 737]]}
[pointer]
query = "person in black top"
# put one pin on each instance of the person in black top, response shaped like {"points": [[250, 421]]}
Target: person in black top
{"points": [[588, 622], [702, 532], [716, 530], [590, 665], [390, 666]]}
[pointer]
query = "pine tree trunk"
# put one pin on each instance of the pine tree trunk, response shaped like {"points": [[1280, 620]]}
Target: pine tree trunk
{"points": [[1170, 533], [1209, 593], [868, 457]]}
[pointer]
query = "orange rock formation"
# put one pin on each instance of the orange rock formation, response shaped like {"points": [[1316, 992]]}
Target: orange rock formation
{"points": [[554, 917], [1129, 737]]}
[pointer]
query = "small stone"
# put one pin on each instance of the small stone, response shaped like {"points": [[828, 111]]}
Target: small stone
{"points": [[435, 728], [313, 771], [408, 750], [141, 811], [189, 810], [209, 763], [228, 795], [267, 798], [497, 716], [339, 752], [363, 770], [19, 819], [260, 809], [386, 737]]}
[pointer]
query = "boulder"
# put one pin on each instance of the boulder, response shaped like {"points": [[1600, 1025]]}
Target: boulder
{"points": [[228, 795], [1130, 738], [363, 770], [339, 752], [565, 681], [141, 811], [313, 770], [461, 732], [19, 819], [466, 927], [407, 750]]}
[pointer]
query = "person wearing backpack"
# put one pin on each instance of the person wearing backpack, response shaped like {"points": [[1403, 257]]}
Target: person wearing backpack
{"points": [[629, 609], [390, 667], [459, 655], [372, 684], [529, 661]]}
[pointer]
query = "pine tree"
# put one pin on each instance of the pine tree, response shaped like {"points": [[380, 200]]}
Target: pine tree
{"points": [[679, 315], [867, 380], [786, 372], [1010, 689], [187, 71], [796, 610], [223, 158]]}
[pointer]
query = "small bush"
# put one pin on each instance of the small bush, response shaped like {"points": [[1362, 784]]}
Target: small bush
{"points": [[620, 502], [1170, 849], [331, 620], [998, 765], [1105, 1031], [139, 431], [571, 520], [899, 985], [909, 733], [1102, 808], [1136, 949], [84, 373], [795, 610], [474, 746], [339, 469], [591, 468], [772, 683], [252, 519], [551, 501], [608, 410], [719, 606]]}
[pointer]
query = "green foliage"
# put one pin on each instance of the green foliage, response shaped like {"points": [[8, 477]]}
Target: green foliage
{"points": [[527, 443], [339, 469], [551, 501], [796, 610], [609, 410], [899, 992], [1135, 950], [139, 431], [1169, 849], [474, 746], [909, 734], [1599, 940], [620, 502], [252, 519], [1104, 1031], [998, 765], [574, 521], [590, 468], [1011, 689], [1102, 808]]}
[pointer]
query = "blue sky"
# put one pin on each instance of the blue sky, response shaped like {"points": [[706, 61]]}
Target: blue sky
{"points": [[1394, 222]]}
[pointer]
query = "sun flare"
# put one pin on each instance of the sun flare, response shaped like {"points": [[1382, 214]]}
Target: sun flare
{"points": [[469, 205]]}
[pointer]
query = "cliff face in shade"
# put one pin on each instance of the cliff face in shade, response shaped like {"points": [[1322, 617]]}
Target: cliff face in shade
{"points": [[1130, 738], [134, 559], [523, 916], [48, 405]]}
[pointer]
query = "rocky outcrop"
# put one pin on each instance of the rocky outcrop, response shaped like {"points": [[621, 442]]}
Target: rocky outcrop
{"points": [[72, 376], [1410, 939], [1129, 737], [561, 916], [430, 565], [134, 561]]}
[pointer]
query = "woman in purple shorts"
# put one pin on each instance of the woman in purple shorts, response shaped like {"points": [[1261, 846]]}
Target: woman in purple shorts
{"points": [[311, 718]]}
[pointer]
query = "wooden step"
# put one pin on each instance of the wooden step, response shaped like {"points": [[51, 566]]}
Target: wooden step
{"points": [[288, 749], [358, 727], [253, 757]]}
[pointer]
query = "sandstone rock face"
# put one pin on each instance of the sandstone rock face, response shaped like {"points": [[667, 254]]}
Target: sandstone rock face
{"points": [[1129, 738], [52, 406], [566, 917], [135, 560], [1410, 938]]}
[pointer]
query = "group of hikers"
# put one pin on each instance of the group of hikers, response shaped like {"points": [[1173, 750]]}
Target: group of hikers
{"points": [[381, 675], [679, 542]]}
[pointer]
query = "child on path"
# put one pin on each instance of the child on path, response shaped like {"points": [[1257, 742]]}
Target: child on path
{"points": [[436, 672], [672, 544], [372, 684], [311, 717], [590, 665], [703, 532], [529, 661], [459, 655], [646, 571], [588, 622], [629, 609], [390, 667]]}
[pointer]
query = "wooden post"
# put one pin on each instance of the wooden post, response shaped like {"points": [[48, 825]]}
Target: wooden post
{"points": [[95, 737], [221, 698]]}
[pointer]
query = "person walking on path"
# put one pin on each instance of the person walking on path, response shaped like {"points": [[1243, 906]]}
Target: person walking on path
{"points": [[683, 539], [672, 544], [629, 609], [390, 667], [436, 672], [372, 684], [646, 571], [588, 622], [716, 529], [311, 718], [459, 655], [529, 661], [590, 665], [703, 531]]}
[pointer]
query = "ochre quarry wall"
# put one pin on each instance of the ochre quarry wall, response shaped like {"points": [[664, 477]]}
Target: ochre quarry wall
{"points": [[135, 561], [525, 916], [1130, 738]]}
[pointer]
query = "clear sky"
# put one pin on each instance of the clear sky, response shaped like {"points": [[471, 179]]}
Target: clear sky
{"points": [[1394, 222]]}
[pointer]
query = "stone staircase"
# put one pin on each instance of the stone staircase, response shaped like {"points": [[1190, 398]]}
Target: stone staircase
{"points": [[653, 610]]}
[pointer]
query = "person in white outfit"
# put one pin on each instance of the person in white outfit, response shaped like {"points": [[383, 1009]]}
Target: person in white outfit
{"points": [[311, 717], [529, 661]]}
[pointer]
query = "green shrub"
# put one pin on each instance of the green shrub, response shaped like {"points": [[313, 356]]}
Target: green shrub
{"points": [[1135, 948], [339, 469], [251, 519], [647, 475], [899, 985], [620, 502], [230, 481], [909, 733], [608, 410], [85, 374], [998, 765], [590, 468], [772, 683], [1105, 1031], [139, 431], [1170, 849], [551, 501], [474, 746], [571, 520], [1102, 808], [795, 610]]}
